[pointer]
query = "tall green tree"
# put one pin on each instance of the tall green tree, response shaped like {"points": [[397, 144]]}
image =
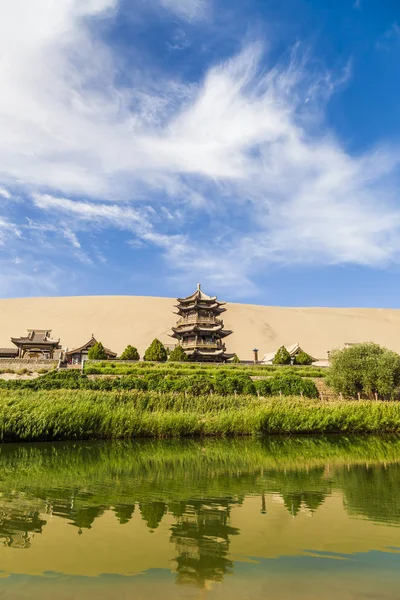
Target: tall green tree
{"points": [[302, 358], [282, 357], [178, 355], [156, 352], [97, 352], [130, 353], [366, 369]]}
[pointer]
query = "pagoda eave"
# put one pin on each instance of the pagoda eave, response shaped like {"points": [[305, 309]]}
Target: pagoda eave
{"points": [[225, 333]]}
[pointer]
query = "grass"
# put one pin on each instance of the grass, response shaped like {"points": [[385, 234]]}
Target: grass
{"points": [[83, 414]]}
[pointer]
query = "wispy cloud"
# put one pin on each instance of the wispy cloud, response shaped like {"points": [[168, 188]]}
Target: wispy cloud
{"points": [[187, 9], [245, 146], [122, 217], [391, 36]]}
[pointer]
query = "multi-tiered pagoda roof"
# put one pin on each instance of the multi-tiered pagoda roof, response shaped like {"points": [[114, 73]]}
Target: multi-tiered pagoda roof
{"points": [[200, 329], [38, 343]]}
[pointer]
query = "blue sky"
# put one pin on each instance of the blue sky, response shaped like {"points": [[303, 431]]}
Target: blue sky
{"points": [[146, 145]]}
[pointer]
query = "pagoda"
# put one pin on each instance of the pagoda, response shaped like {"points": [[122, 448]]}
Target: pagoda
{"points": [[199, 330]]}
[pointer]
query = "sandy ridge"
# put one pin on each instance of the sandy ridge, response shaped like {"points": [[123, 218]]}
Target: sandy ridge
{"points": [[121, 320]]}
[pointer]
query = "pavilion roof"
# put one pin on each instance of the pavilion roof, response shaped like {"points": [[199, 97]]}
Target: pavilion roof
{"points": [[293, 350], [9, 351], [37, 336], [89, 344], [215, 306]]}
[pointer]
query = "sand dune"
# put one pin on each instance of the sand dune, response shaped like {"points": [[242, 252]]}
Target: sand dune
{"points": [[121, 320]]}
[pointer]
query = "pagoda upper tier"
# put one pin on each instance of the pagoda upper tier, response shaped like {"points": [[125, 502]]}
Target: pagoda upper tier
{"points": [[198, 301], [200, 330]]}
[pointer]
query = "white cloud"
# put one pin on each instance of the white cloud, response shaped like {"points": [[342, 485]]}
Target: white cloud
{"points": [[121, 217], [246, 141], [5, 193]]}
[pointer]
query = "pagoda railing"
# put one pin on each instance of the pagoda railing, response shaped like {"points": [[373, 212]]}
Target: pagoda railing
{"points": [[200, 344], [198, 319]]}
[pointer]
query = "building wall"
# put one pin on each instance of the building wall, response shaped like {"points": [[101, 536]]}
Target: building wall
{"points": [[27, 363]]}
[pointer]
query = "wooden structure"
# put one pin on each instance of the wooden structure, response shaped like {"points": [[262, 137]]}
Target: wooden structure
{"points": [[200, 330], [37, 344], [77, 355]]}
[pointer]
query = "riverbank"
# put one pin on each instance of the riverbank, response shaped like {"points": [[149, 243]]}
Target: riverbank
{"points": [[48, 415]]}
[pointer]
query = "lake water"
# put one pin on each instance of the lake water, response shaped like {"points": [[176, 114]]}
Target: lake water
{"points": [[308, 518]]}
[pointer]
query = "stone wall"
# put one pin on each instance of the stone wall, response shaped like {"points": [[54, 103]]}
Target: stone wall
{"points": [[27, 363]]}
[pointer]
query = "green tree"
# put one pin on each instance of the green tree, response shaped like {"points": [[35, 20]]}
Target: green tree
{"points": [[178, 355], [130, 353], [235, 359], [156, 352], [282, 357], [302, 358], [366, 369], [97, 352]]}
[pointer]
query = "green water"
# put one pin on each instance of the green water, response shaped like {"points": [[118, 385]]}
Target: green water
{"points": [[246, 519]]}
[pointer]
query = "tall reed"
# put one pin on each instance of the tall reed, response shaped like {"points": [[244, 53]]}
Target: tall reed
{"points": [[84, 414]]}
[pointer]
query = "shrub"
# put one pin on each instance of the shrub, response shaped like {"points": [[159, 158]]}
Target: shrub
{"points": [[365, 369], [263, 387], [178, 355], [288, 385], [228, 384], [156, 352], [235, 359], [97, 352], [302, 358], [282, 357], [130, 353]]}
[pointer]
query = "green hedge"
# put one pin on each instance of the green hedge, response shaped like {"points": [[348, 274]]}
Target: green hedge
{"points": [[197, 385], [141, 368]]}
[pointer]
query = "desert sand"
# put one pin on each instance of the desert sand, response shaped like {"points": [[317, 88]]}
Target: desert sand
{"points": [[117, 321]]}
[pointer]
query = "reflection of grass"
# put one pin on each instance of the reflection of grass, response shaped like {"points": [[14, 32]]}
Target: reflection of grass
{"points": [[122, 473], [82, 414]]}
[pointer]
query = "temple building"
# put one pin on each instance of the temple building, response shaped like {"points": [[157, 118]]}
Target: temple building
{"points": [[293, 350], [199, 330], [37, 344], [8, 352], [77, 355]]}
